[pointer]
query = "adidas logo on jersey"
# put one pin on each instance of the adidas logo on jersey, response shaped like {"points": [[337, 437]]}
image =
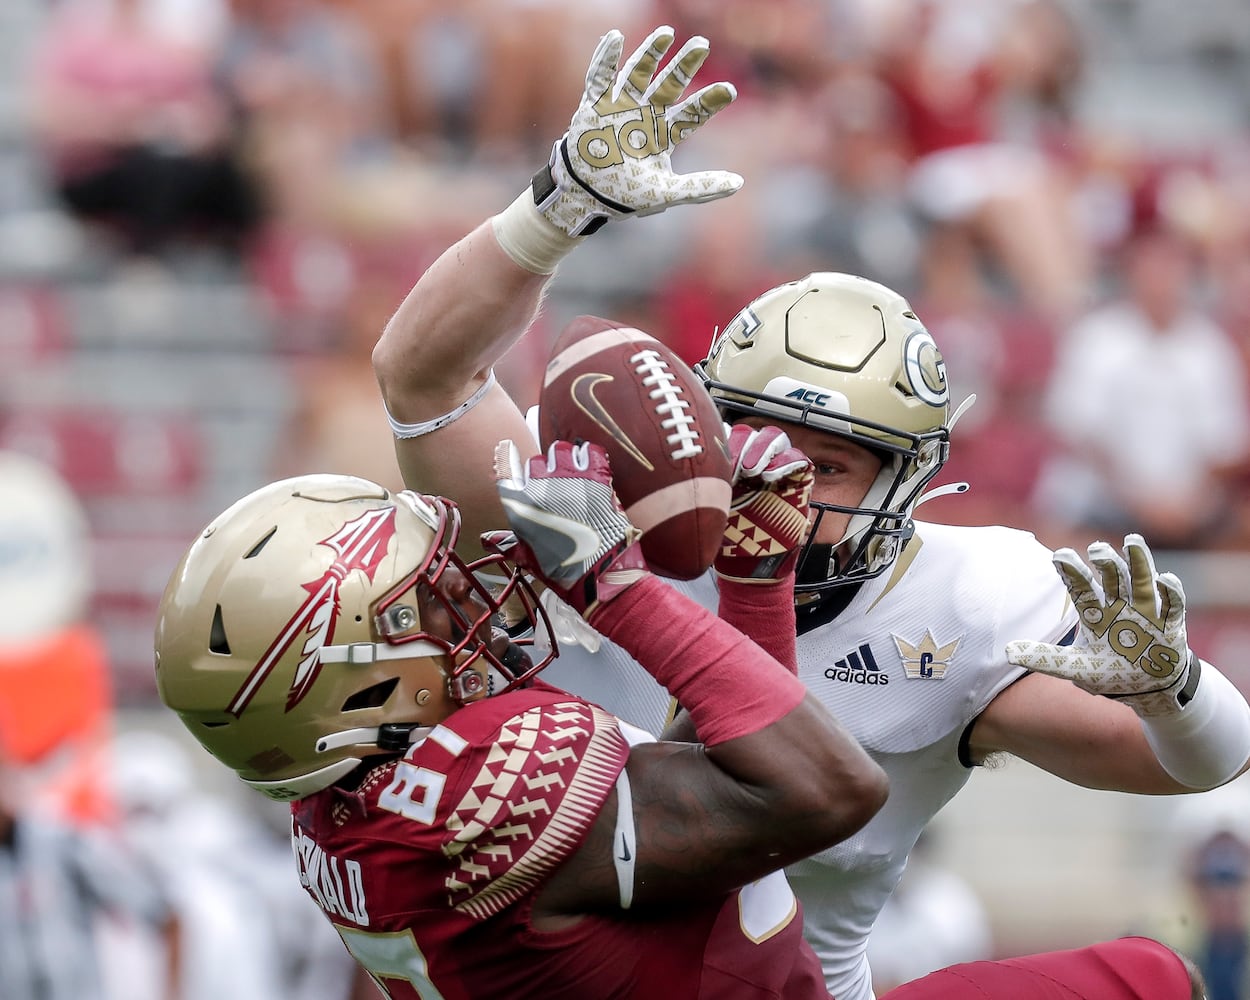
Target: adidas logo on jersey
{"points": [[858, 667]]}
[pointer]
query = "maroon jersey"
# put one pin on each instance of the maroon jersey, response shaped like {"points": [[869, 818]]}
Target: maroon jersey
{"points": [[429, 868]]}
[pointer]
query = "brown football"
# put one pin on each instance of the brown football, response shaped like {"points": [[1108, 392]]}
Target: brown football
{"points": [[622, 389]]}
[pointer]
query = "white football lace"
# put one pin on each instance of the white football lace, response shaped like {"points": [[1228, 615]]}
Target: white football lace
{"points": [[673, 406]]}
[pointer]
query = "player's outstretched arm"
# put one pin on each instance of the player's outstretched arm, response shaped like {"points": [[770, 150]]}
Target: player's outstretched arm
{"points": [[767, 523], [1131, 647], [775, 778], [433, 361]]}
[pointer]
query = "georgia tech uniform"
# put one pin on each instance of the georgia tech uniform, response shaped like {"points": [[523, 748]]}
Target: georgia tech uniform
{"points": [[906, 667]]}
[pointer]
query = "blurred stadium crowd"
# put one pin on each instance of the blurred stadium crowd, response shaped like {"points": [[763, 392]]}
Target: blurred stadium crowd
{"points": [[209, 208]]}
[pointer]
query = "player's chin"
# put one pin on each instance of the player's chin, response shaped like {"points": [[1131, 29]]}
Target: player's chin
{"points": [[831, 534]]}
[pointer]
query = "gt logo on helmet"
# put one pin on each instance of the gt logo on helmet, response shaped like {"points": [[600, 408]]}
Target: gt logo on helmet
{"points": [[926, 371]]}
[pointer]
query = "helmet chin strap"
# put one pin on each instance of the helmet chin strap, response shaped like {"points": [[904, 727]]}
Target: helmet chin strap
{"points": [[385, 736]]}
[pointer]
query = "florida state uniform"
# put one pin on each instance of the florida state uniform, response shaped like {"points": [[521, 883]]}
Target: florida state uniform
{"points": [[911, 661], [429, 867]]}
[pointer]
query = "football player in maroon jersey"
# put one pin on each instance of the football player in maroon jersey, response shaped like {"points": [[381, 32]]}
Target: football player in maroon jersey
{"points": [[469, 830]]}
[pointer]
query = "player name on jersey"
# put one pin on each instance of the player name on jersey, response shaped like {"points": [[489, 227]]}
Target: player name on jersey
{"points": [[334, 882]]}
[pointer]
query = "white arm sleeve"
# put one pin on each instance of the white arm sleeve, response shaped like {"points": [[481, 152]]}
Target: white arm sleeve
{"points": [[1208, 742]]}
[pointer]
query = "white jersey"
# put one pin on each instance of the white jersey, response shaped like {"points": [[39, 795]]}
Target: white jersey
{"points": [[913, 659]]}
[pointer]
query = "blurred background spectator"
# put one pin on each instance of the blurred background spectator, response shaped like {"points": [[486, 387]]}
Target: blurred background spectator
{"points": [[56, 689], [1219, 877], [1210, 914], [1148, 401], [245, 929], [132, 131], [208, 208], [59, 884]]}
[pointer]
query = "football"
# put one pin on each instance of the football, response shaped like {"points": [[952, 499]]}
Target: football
{"points": [[623, 389]]}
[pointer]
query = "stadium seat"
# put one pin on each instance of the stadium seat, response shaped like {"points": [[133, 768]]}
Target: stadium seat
{"points": [[100, 452], [32, 324]]}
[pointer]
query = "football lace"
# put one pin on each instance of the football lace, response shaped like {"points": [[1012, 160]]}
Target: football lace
{"points": [[673, 406]]}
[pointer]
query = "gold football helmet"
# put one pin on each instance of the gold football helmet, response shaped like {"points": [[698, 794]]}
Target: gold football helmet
{"points": [[844, 354], [323, 619]]}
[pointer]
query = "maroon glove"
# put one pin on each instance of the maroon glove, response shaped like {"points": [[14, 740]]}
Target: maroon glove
{"points": [[768, 517]]}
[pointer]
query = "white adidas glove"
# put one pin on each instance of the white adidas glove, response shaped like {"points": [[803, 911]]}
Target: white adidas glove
{"points": [[614, 160], [1131, 643]]}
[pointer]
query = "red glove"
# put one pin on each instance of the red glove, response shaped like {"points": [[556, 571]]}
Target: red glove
{"points": [[768, 517], [568, 528]]}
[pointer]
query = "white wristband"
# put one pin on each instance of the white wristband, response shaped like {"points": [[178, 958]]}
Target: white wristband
{"points": [[529, 239], [424, 427], [1208, 741], [624, 841]]}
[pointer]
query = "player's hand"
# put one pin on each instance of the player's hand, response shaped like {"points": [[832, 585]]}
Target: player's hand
{"points": [[614, 160], [1130, 643], [568, 528], [768, 516]]}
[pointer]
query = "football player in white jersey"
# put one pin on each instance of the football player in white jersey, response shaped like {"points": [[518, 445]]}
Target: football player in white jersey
{"points": [[937, 646]]}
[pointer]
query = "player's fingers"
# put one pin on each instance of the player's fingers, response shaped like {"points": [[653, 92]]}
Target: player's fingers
{"points": [[602, 69], [756, 453], [1172, 601], [707, 185], [736, 442], [1077, 577], [635, 75], [500, 542], [671, 82], [508, 466], [1142, 574], [698, 108], [759, 450], [572, 459], [788, 464], [1112, 571], [1025, 652], [1042, 657]]}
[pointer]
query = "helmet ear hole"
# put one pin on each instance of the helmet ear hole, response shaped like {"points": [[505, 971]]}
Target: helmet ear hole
{"points": [[255, 550], [217, 641], [371, 697]]}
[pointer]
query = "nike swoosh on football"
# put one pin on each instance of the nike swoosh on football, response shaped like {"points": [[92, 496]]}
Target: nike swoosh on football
{"points": [[583, 539], [583, 392]]}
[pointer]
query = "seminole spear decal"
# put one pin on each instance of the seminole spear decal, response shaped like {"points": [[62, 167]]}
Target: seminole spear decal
{"points": [[360, 545]]}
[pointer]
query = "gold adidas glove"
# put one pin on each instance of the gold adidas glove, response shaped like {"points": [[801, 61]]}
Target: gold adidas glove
{"points": [[615, 159], [1130, 643]]}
